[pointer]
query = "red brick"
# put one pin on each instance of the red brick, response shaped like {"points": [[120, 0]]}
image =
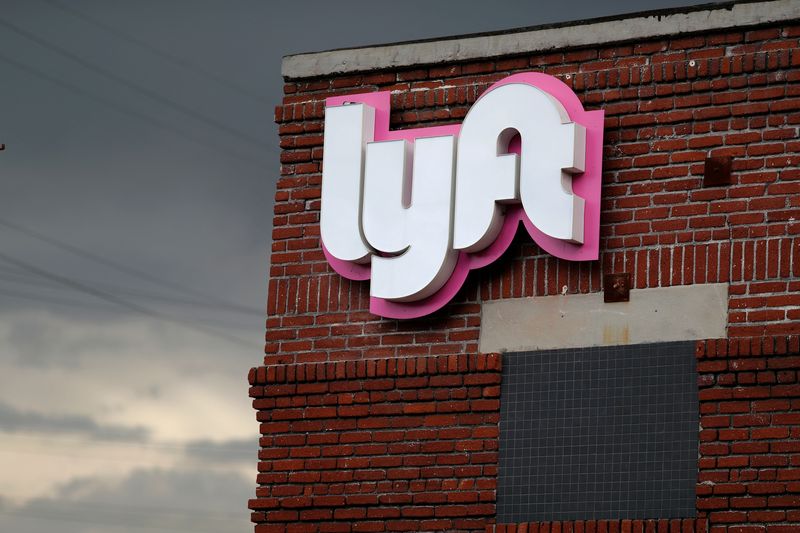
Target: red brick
{"points": [[663, 119]]}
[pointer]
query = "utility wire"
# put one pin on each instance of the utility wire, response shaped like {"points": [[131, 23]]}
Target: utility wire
{"points": [[183, 462], [180, 511], [149, 509], [121, 302], [102, 295], [194, 464], [131, 112], [181, 62], [86, 254], [54, 300], [44, 299], [130, 443], [31, 280], [66, 517], [133, 85], [127, 508], [25, 278]]}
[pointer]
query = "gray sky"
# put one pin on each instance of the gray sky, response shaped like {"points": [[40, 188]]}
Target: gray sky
{"points": [[135, 209]]}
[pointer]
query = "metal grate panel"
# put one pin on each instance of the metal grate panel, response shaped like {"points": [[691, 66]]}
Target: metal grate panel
{"points": [[598, 433]]}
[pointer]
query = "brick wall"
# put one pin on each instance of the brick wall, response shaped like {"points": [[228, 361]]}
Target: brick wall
{"points": [[749, 464], [669, 103], [378, 445]]}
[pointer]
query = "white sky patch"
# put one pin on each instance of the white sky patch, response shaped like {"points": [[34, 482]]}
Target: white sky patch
{"points": [[34, 464], [153, 499], [176, 385]]}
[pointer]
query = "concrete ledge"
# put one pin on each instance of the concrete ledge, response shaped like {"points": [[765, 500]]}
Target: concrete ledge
{"points": [[690, 312], [574, 34]]}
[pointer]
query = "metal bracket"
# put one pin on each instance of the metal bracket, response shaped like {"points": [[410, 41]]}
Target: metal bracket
{"points": [[617, 287], [717, 171]]}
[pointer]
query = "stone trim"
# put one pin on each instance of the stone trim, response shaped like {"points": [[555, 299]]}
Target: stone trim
{"points": [[595, 32]]}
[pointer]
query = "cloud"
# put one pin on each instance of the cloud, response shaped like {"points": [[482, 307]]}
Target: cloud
{"points": [[127, 371], [117, 394], [61, 337], [231, 451], [14, 420], [151, 499]]}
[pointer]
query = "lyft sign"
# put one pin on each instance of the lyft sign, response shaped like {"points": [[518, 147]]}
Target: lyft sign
{"points": [[415, 210]]}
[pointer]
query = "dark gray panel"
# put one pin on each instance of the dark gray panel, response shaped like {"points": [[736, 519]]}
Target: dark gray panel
{"points": [[605, 432]]}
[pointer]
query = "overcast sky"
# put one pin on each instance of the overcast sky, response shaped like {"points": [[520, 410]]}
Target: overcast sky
{"points": [[135, 209]]}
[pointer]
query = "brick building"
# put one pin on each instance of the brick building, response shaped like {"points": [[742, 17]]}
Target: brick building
{"points": [[528, 402]]}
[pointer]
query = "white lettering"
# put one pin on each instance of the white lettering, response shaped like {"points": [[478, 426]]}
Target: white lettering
{"points": [[410, 206], [409, 218], [552, 148]]}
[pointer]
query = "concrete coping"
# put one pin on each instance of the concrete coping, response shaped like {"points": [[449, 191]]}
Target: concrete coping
{"points": [[646, 25]]}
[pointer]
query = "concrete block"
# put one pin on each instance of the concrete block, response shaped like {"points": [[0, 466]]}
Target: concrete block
{"points": [[660, 314]]}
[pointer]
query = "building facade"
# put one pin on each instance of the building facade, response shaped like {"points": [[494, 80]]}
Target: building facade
{"points": [[653, 389]]}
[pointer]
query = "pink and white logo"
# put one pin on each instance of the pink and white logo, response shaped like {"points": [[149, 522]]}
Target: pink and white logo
{"points": [[415, 210]]}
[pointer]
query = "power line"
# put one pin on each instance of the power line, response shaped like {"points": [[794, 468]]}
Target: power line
{"points": [[121, 302], [65, 302], [129, 443], [86, 254], [23, 278], [143, 461], [182, 62], [76, 285], [131, 111], [222, 464], [44, 299], [150, 509], [61, 517], [156, 509], [132, 85]]}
